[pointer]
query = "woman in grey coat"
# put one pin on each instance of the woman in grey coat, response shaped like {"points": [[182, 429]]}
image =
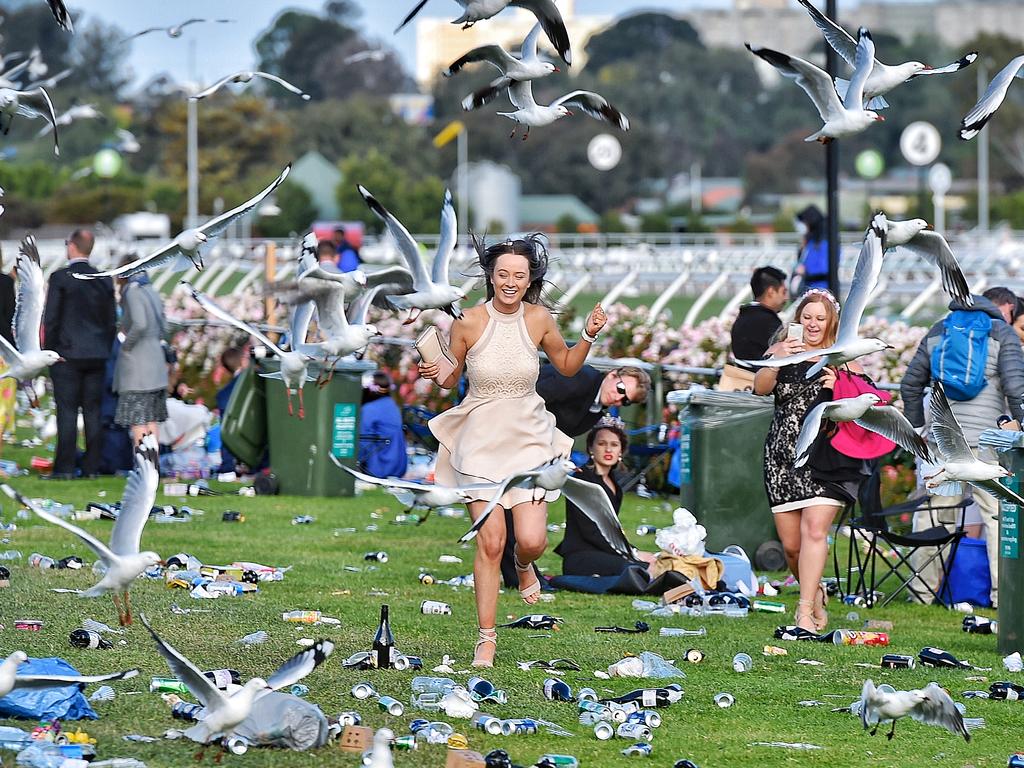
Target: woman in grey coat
{"points": [[140, 375]]}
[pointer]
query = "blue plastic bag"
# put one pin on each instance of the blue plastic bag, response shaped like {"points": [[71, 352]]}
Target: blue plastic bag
{"points": [[63, 703], [968, 580]]}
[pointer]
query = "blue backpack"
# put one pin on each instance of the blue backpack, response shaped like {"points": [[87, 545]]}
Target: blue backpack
{"points": [[960, 357]]}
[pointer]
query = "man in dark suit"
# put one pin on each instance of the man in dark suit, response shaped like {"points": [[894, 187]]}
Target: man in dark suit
{"points": [[79, 324], [577, 403]]}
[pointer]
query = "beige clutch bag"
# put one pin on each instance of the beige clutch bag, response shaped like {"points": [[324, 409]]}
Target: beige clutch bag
{"points": [[433, 349]]}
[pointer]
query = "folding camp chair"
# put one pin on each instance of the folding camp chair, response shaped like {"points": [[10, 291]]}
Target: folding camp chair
{"points": [[876, 554]]}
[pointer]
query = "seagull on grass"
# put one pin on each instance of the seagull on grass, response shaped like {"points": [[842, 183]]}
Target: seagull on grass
{"points": [[11, 680], [430, 291], [223, 712], [842, 116], [246, 76], [865, 411], [190, 242], [531, 114], [849, 345], [991, 100], [884, 77], [929, 705], [123, 561], [529, 67], [956, 458], [546, 11]]}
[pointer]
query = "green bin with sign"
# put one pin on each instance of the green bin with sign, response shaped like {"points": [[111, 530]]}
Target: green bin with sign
{"points": [[301, 449], [1011, 570], [721, 463]]}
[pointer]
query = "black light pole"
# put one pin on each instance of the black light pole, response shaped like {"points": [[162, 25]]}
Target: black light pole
{"points": [[832, 172]]}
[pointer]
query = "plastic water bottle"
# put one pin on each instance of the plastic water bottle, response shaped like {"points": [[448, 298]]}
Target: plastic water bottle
{"points": [[440, 685], [10, 554]]}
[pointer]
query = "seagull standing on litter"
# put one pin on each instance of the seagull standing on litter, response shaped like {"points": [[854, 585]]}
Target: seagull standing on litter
{"points": [[956, 458], [222, 712], [431, 291], [529, 67], [294, 365], [190, 242], [246, 76], [849, 345], [122, 559], [546, 11], [991, 100], [12, 103], [10, 679], [842, 117], [930, 705], [865, 411], [531, 114], [883, 77], [916, 236], [175, 31], [28, 361]]}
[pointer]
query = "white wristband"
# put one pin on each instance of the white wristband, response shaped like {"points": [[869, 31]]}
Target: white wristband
{"points": [[587, 337]]}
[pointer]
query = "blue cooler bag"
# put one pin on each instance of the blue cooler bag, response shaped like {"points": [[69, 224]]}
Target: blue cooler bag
{"points": [[968, 580]]}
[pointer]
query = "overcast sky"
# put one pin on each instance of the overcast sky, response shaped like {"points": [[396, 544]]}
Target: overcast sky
{"points": [[221, 49]]}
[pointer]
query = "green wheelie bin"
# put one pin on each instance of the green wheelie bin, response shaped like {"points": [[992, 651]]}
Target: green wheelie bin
{"points": [[722, 473], [243, 425], [1011, 572], [301, 449]]}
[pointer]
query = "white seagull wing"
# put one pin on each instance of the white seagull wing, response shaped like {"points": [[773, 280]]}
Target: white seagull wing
{"points": [[1000, 491], [137, 501], [152, 261], [198, 684], [865, 278], [60, 13], [283, 83], [781, 362], [28, 313], [991, 100], [407, 246], [864, 62], [216, 226], [938, 708], [52, 681], [956, 66], [946, 430], [891, 424], [520, 93], [595, 105], [409, 17], [8, 352], [809, 432], [529, 48], [551, 20], [933, 248], [300, 665], [361, 306], [594, 503], [814, 81], [221, 314], [494, 55], [837, 37], [91, 541], [214, 88], [447, 241], [503, 486], [301, 317]]}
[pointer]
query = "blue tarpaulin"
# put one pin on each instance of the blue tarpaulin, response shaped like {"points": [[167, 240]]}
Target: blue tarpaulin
{"points": [[63, 703]]}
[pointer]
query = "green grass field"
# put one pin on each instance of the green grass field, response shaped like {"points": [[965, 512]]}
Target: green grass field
{"points": [[766, 708]]}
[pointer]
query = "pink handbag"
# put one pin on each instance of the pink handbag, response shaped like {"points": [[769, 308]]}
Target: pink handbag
{"points": [[851, 439]]}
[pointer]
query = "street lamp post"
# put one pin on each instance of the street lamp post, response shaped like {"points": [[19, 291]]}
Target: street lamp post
{"points": [[193, 144], [832, 172]]}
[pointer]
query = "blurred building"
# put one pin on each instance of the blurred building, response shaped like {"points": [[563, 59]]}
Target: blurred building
{"points": [[439, 42], [320, 178], [545, 213], [494, 193]]}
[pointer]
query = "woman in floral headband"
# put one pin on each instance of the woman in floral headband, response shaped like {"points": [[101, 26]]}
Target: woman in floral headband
{"points": [[803, 508]]}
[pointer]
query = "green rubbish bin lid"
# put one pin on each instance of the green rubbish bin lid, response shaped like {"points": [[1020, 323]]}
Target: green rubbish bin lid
{"points": [[714, 398]]}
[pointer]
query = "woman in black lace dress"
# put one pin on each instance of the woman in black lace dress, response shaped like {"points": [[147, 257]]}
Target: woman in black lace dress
{"points": [[803, 508]]}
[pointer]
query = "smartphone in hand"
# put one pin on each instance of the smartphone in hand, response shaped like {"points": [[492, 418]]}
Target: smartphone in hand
{"points": [[795, 331]]}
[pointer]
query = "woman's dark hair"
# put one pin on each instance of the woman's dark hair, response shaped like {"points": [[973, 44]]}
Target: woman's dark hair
{"points": [[815, 221], [531, 248], [617, 430]]}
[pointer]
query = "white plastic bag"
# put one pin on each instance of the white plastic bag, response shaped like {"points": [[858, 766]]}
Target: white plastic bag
{"points": [[684, 537]]}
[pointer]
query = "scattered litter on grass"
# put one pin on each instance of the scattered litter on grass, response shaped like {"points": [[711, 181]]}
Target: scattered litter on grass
{"points": [[784, 745]]}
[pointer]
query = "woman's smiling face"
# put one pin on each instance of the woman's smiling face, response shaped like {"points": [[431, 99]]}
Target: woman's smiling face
{"points": [[814, 319], [511, 278]]}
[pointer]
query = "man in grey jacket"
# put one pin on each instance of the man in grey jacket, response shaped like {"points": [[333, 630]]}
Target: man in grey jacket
{"points": [[1003, 392]]}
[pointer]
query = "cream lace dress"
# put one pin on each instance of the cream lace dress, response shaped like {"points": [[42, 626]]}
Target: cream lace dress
{"points": [[501, 427]]}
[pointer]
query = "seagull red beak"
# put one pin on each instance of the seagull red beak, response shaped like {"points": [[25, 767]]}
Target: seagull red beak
{"points": [[557, 69], [880, 118], [570, 112], [928, 226]]}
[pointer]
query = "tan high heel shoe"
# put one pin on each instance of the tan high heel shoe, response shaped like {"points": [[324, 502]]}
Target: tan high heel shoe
{"points": [[819, 615], [486, 636], [805, 611]]}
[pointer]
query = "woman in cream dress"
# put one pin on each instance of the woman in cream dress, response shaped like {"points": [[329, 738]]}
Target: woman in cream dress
{"points": [[502, 427]]}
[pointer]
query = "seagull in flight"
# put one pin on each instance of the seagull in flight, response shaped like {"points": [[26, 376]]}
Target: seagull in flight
{"points": [[529, 67], [865, 411], [246, 76], [849, 345], [190, 242], [12, 103], [431, 291], [342, 335], [77, 112], [123, 559], [991, 100], [11, 680], [223, 712], [175, 31], [28, 361], [884, 77], [127, 144], [917, 236], [546, 11], [956, 458], [929, 705], [531, 114], [60, 13], [842, 116]]}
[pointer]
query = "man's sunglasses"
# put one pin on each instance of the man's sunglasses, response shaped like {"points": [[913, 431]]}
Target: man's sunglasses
{"points": [[620, 387]]}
